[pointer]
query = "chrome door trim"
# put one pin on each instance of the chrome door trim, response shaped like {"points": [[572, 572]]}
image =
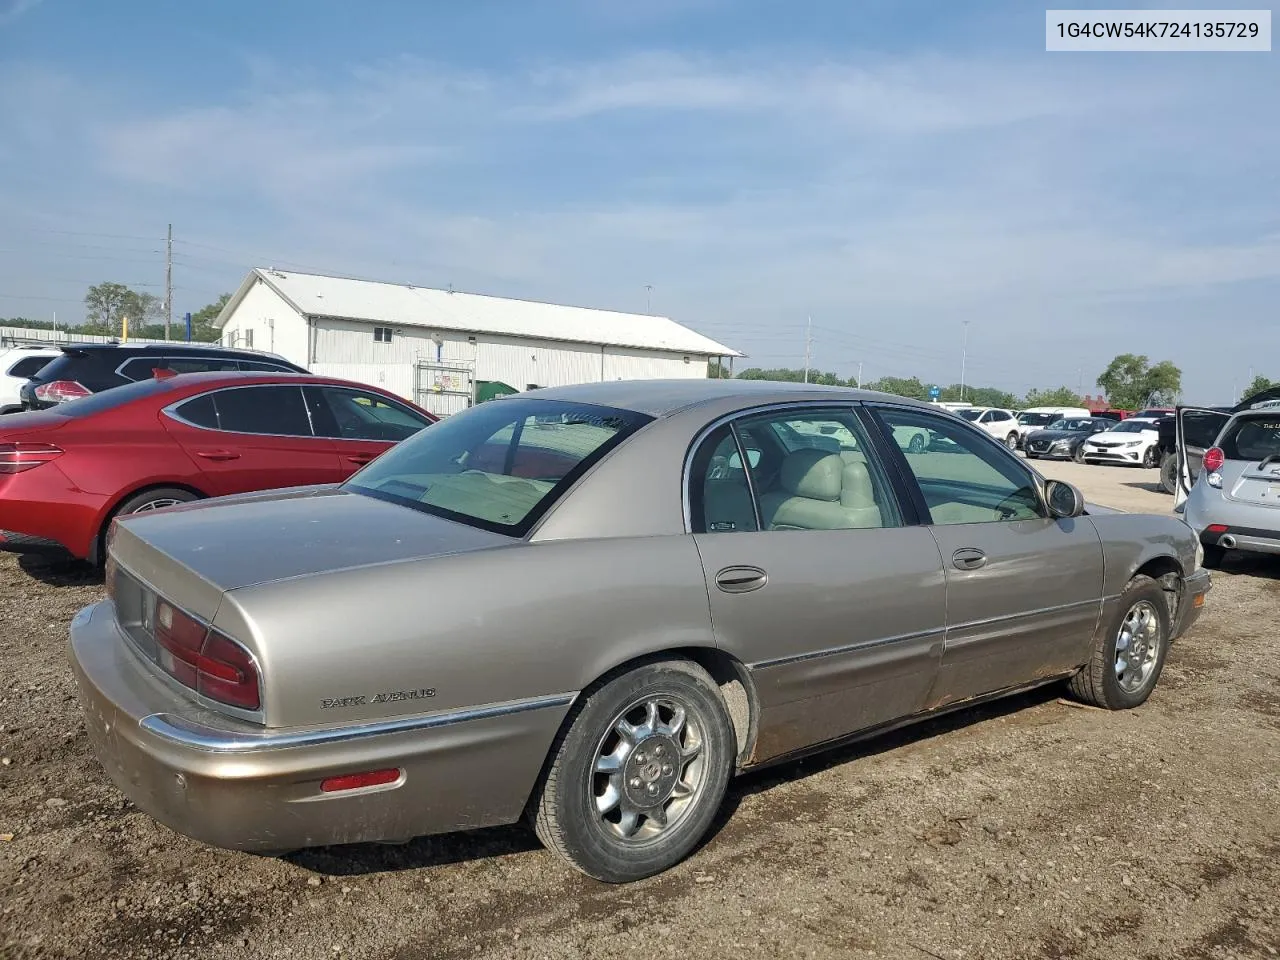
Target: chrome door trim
{"points": [[847, 648]]}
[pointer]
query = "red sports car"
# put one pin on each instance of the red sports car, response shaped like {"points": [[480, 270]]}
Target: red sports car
{"points": [[65, 472]]}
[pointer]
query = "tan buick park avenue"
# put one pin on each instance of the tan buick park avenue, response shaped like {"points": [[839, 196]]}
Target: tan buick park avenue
{"points": [[590, 606]]}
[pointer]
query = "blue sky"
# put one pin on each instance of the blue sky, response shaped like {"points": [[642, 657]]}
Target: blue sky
{"points": [[892, 169]]}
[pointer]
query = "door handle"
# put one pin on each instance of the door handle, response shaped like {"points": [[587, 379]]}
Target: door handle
{"points": [[360, 458], [741, 579], [968, 558], [218, 454]]}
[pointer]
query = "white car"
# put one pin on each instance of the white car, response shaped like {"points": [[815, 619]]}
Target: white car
{"points": [[1133, 442], [17, 366], [1001, 424], [1039, 418]]}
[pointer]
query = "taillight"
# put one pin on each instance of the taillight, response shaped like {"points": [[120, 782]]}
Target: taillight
{"points": [[204, 660], [60, 391], [1214, 458], [355, 781], [20, 456]]}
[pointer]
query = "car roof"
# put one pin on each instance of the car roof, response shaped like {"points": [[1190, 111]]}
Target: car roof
{"points": [[169, 347], [659, 398]]}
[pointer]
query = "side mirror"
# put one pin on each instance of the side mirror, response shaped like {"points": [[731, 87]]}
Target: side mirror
{"points": [[1064, 500]]}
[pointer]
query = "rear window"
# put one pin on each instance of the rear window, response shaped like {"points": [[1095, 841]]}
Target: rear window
{"points": [[500, 465], [1251, 438], [1036, 419], [109, 399], [28, 366]]}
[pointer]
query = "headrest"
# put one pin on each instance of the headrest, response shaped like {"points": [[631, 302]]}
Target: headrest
{"points": [[813, 474], [855, 486]]}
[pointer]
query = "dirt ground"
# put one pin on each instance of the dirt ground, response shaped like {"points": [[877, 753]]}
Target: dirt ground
{"points": [[1030, 828]]}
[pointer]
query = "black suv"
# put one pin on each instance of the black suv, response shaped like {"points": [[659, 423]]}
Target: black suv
{"points": [[86, 368]]}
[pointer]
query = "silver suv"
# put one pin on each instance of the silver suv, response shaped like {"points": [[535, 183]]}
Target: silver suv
{"points": [[1234, 502]]}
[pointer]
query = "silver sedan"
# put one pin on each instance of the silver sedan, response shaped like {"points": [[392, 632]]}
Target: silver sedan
{"points": [[591, 606]]}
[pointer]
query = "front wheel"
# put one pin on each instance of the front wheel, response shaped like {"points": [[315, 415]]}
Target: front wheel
{"points": [[1078, 454], [637, 775], [917, 443], [1151, 458], [1129, 653], [1011, 441]]}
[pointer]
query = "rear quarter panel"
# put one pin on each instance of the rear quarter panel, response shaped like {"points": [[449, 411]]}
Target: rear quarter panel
{"points": [[502, 624]]}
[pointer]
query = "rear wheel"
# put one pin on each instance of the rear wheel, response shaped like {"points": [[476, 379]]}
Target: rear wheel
{"points": [[1169, 473], [1129, 654], [144, 501], [1078, 454], [638, 773], [917, 443], [1011, 441]]}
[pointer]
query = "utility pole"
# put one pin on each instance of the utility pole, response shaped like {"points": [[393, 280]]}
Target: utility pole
{"points": [[808, 346], [964, 358], [1079, 381], [168, 283], [859, 374], [648, 289]]}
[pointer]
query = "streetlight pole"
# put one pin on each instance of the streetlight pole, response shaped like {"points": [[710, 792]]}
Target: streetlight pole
{"points": [[964, 358]]}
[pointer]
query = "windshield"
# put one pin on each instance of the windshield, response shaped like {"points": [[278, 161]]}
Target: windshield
{"points": [[500, 465], [1036, 419], [970, 414], [1077, 424], [1132, 426], [1251, 438]]}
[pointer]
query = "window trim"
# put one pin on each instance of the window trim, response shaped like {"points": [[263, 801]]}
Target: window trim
{"points": [[378, 329], [171, 411], [917, 494], [907, 510]]}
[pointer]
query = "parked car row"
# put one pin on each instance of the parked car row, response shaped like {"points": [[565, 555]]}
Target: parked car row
{"points": [[166, 437]]}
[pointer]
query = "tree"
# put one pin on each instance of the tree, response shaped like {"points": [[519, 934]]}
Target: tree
{"points": [[1058, 397], [900, 387], [1259, 384], [787, 375], [715, 369], [979, 396], [202, 327], [108, 304], [1132, 382]]}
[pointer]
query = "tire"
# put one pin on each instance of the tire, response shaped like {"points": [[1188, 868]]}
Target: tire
{"points": [[1151, 459], [1169, 473], [1143, 604], [1078, 454], [1213, 556], [1031, 456], [1011, 441], [141, 502], [567, 806], [917, 443]]}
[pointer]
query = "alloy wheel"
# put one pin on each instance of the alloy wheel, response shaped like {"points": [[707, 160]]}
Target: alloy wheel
{"points": [[649, 768], [158, 504], [1137, 646]]}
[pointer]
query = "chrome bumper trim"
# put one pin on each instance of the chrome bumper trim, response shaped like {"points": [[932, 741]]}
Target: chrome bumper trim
{"points": [[197, 736]]}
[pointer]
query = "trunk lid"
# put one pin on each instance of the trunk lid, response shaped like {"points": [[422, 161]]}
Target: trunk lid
{"points": [[1256, 483], [194, 553], [33, 421]]}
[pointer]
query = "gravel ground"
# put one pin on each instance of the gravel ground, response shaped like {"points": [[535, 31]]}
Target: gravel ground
{"points": [[1030, 828]]}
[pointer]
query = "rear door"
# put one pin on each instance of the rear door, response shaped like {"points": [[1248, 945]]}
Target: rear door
{"points": [[818, 580], [1197, 428], [253, 438], [362, 423]]}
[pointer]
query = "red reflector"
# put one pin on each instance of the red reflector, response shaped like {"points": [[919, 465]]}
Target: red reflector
{"points": [[17, 457], [1216, 528], [1214, 458], [354, 781], [60, 391]]}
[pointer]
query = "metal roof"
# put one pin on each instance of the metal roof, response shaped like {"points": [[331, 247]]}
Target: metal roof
{"points": [[397, 304]]}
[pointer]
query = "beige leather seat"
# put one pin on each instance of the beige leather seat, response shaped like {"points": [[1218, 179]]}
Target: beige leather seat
{"points": [[821, 491]]}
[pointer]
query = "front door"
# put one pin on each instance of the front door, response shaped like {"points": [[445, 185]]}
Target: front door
{"points": [[1024, 591], [364, 424], [816, 583], [253, 438]]}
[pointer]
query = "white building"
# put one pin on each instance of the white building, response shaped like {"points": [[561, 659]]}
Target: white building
{"points": [[441, 349]]}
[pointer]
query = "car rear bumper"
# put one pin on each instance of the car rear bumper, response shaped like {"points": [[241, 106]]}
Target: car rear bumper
{"points": [[239, 786], [1251, 539], [42, 511]]}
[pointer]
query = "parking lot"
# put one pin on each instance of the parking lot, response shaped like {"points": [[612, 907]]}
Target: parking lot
{"points": [[1028, 828]]}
